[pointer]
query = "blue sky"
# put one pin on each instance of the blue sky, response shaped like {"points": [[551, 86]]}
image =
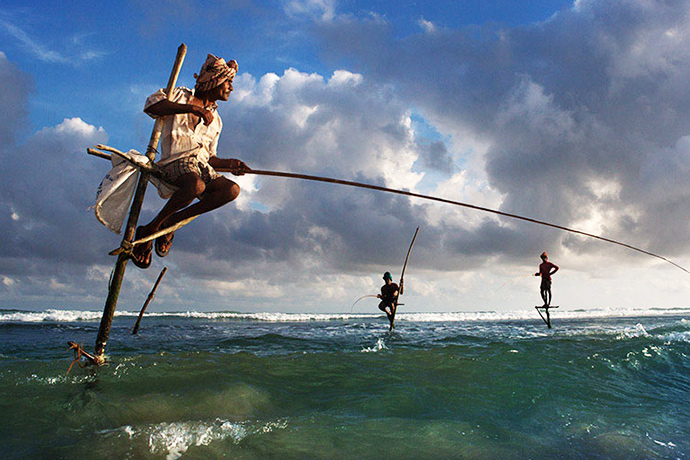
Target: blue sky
{"points": [[576, 113]]}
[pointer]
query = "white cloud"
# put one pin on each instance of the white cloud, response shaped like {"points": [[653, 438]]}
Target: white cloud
{"points": [[76, 126], [75, 54], [32, 45], [323, 10], [428, 26], [244, 288], [344, 77]]}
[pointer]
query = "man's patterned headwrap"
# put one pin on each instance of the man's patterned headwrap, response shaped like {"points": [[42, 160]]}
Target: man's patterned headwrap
{"points": [[214, 72]]}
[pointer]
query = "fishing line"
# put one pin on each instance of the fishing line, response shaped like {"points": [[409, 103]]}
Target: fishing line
{"points": [[456, 203], [363, 297], [511, 280]]}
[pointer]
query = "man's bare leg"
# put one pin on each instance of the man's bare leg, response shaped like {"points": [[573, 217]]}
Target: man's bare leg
{"points": [[218, 192], [391, 316], [179, 207]]}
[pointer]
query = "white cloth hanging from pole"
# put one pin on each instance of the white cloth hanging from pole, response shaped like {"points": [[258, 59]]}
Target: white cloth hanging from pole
{"points": [[117, 188], [115, 192]]}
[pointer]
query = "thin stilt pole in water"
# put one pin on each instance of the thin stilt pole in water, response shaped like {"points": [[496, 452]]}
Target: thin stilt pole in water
{"points": [[150, 297], [135, 210], [547, 319]]}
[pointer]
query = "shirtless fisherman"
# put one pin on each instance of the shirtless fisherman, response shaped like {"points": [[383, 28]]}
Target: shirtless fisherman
{"points": [[546, 269], [189, 139], [389, 298]]}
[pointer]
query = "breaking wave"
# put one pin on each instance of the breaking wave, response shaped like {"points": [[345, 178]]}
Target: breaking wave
{"points": [[70, 316]]}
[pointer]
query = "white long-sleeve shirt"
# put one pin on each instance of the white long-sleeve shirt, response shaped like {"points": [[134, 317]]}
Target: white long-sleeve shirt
{"points": [[179, 137]]}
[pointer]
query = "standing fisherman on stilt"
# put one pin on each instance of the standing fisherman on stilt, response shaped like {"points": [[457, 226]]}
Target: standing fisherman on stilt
{"points": [[546, 269], [189, 139]]}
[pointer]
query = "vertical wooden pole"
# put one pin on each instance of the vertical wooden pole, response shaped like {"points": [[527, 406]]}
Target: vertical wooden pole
{"points": [[148, 301], [548, 317], [134, 211]]}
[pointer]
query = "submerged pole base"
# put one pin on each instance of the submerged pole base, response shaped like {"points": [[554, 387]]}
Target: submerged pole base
{"points": [[79, 352]]}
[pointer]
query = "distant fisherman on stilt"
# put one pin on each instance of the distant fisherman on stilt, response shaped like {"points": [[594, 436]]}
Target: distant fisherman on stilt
{"points": [[389, 297], [189, 139], [546, 269]]}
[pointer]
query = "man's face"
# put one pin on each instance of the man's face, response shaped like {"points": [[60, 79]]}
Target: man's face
{"points": [[222, 91]]}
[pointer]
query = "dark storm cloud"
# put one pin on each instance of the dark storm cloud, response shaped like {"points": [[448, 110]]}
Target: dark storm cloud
{"points": [[48, 243], [434, 155], [45, 183], [16, 86], [584, 113]]}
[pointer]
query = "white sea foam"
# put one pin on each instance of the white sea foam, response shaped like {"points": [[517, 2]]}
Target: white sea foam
{"points": [[630, 333], [380, 345], [59, 316], [53, 315], [173, 439], [676, 337]]}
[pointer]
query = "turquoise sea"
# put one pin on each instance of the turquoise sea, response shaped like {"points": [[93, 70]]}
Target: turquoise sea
{"points": [[602, 384]]}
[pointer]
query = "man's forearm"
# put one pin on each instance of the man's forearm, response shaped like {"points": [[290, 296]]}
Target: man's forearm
{"points": [[166, 107], [231, 165]]}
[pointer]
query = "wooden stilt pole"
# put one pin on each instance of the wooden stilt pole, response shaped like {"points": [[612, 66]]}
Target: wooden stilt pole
{"points": [[547, 319], [121, 264], [152, 294]]}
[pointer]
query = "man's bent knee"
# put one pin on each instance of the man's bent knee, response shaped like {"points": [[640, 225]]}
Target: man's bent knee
{"points": [[191, 184], [228, 190], [234, 191]]}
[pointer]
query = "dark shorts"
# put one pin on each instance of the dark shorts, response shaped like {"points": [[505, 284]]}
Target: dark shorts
{"points": [[386, 303], [545, 284], [188, 165]]}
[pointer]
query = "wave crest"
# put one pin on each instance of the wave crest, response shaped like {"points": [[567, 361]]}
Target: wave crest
{"points": [[67, 316]]}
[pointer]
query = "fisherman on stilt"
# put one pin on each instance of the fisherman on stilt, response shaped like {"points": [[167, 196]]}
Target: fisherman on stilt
{"points": [[546, 269], [389, 298], [189, 140]]}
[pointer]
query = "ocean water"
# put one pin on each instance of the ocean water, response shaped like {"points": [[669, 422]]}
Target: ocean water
{"points": [[602, 384]]}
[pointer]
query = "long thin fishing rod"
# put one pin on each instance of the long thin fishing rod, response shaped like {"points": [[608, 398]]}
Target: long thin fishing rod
{"points": [[457, 203]]}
